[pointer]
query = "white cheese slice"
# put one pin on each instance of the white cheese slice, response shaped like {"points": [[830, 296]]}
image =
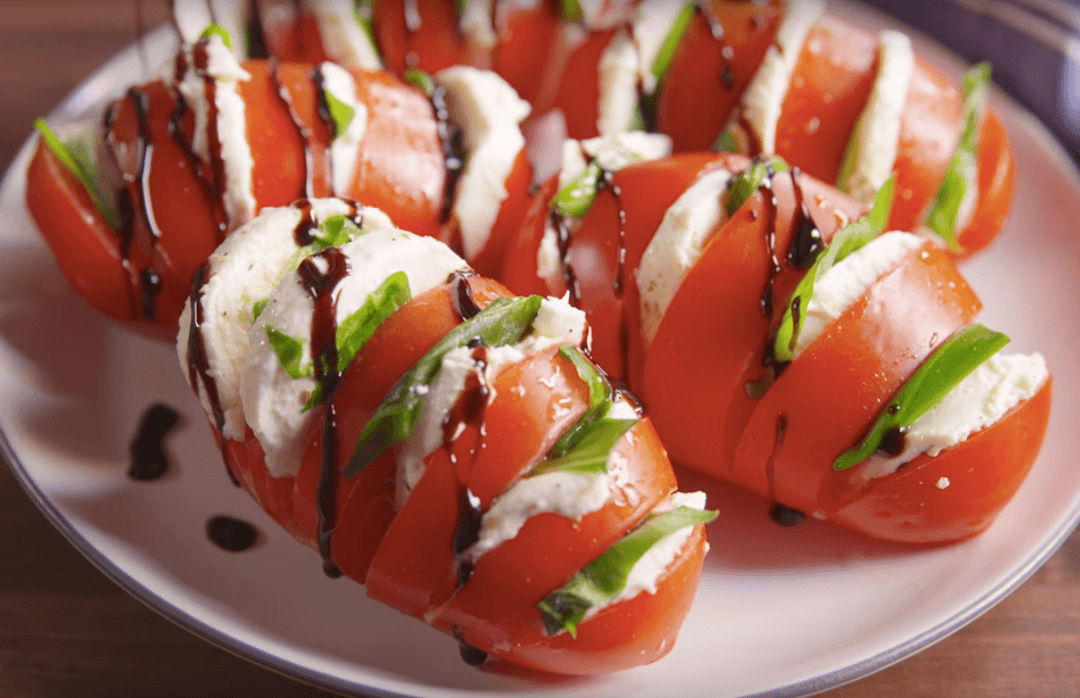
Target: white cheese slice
{"points": [[838, 288], [877, 134], [765, 94], [652, 22], [618, 76], [556, 323], [272, 400], [980, 400], [677, 244], [489, 113], [345, 148], [343, 37], [606, 14], [231, 124], [244, 269], [477, 25]]}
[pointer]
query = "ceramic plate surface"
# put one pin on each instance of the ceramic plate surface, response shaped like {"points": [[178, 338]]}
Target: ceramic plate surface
{"points": [[779, 612]]}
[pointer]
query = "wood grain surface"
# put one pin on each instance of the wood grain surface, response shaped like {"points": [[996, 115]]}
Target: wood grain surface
{"points": [[66, 630]]}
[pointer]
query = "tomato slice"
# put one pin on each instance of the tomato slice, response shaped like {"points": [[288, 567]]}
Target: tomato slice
{"points": [[85, 247], [496, 607], [526, 36], [431, 44], [637, 631], [714, 62], [928, 137], [823, 401], [518, 272], [578, 94], [711, 341], [959, 492], [489, 260], [829, 86], [996, 179], [532, 403]]}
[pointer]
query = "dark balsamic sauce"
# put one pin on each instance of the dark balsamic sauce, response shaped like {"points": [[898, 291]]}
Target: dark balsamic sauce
{"points": [[806, 243], [453, 148], [893, 442], [564, 235], [466, 532], [727, 77], [217, 163], [148, 458], [469, 654], [256, 39], [322, 108], [461, 295], [607, 181], [783, 515], [214, 194], [274, 70], [199, 375], [232, 534], [320, 284]]}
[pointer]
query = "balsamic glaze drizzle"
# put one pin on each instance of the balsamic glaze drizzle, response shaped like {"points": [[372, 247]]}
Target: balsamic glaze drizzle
{"points": [[148, 458], [232, 534], [320, 284], [727, 77], [274, 70], [461, 295], [469, 654], [453, 148], [806, 243]]}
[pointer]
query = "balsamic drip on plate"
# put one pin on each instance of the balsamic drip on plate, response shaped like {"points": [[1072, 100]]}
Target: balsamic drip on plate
{"points": [[149, 461], [320, 283], [232, 534], [783, 515]]}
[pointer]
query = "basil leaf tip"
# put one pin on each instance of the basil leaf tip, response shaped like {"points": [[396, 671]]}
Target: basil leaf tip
{"points": [[743, 185], [81, 171], [215, 29], [341, 114], [420, 79], [950, 363]]}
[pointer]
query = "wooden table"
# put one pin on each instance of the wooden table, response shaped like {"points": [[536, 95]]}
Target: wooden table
{"points": [[66, 630]]}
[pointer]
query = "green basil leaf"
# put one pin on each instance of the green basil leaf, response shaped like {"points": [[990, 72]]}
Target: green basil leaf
{"points": [[288, 350], [743, 185], [257, 308], [591, 448], [950, 363], [574, 200], [459, 7], [599, 399], [961, 171], [850, 159], [335, 232], [217, 30], [604, 578], [570, 10], [420, 79], [81, 172], [356, 329], [503, 322], [341, 114], [726, 142], [847, 240], [662, 61]]}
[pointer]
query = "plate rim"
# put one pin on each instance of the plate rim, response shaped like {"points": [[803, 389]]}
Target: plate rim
{"points": [[312, 676]]}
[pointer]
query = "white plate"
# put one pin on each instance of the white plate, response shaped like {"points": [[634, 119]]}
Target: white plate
{"points": [[780, 612]]}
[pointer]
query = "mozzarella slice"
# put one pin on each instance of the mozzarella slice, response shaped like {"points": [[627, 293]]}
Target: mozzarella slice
{"points": [[618, 75], [345, 148], [765, 94], [877, 134], [343, 37], [677, 245], [489, 113]]}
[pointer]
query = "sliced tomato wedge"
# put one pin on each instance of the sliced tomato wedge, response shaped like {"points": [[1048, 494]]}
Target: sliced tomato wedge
{"points": [[578, 94], [428, 40], [496, 607], [716, 59], [996, 179], [823, 401], [957, 493], [637, 631]]}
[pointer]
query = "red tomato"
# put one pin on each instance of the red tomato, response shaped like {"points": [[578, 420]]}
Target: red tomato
{"points": [[496, 608], [702, 85], [433, 43], [959, 492], [519, 262], [578, 94], [637, 631], [823, 401], [710, 343], [995, 178], [829, 87]]}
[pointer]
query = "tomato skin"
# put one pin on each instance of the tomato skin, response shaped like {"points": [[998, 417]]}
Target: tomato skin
{"points": [[693, 104], [828, 396], [828, 89], [496, 607], [434, 45], [637, 631], [981, 474], [85, 247], [996, 180], [519, 263], [578, 94], [710, 343]]}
